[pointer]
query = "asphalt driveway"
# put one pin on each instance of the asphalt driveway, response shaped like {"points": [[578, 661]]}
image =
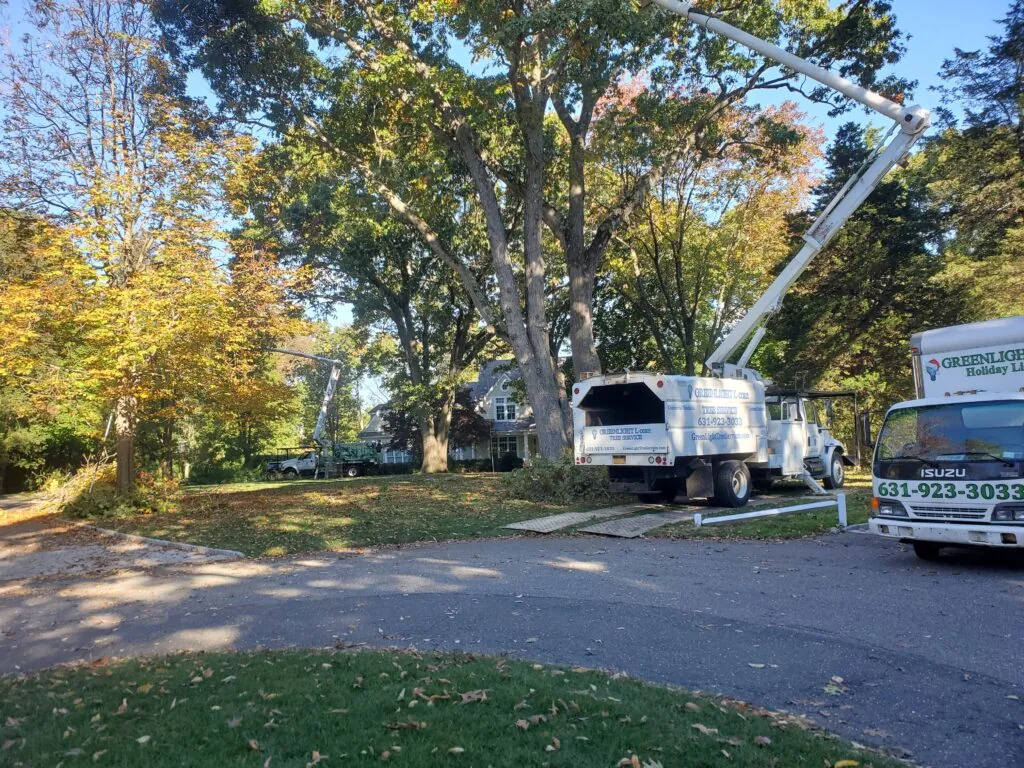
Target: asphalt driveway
{"points": [[929, 655]]}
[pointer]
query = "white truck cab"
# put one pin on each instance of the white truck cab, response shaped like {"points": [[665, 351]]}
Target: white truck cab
{"points": [[948, 467], [303, 466]]}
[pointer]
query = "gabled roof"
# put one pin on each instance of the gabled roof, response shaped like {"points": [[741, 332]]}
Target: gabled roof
{"points": [[490, 374]]}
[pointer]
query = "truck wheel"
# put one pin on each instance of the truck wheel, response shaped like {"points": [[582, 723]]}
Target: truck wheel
{"points": [[732, 484], [836, 476], [351, 472], [927, 550], [290, 473]]}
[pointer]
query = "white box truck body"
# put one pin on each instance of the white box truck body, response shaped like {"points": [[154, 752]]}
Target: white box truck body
{"points": [[948, 467], [661, 435]]}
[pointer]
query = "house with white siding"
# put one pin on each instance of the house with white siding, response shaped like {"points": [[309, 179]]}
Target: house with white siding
{"points": [[512, 429], [512, 426]]}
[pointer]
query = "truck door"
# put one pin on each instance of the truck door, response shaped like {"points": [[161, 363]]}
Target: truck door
{"points": [[794, 437], [307, 464], [815, 437]]}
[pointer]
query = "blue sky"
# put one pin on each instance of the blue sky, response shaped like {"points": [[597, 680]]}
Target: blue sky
{"points": [[935, 27]]}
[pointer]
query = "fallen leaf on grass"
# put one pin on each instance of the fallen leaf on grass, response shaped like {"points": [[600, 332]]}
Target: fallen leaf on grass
{"points": [[469, 698], [123, 708], [704, 729], [846, 764], [7, 745], [97, 755], [144, 688], [234, 722], [537, 719], [522, 725], [14, 722], [253, 745], [456, 751], [834, 686], [143, 739], [407, 725], [692, 706], [762, 741], [521, 705], [756, 666]]}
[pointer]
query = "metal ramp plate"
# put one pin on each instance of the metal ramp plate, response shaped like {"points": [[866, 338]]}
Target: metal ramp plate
{"points": [[635, 527], [569, 519]]}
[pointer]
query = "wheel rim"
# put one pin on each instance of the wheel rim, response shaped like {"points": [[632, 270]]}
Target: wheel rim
{"points": [[837, 470], [739, 483]]}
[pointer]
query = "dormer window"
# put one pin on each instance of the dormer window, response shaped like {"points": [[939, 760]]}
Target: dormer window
{"points": [[504, 409]]}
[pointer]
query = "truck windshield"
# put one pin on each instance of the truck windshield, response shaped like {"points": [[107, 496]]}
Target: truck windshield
{"points": [[955, 432]]}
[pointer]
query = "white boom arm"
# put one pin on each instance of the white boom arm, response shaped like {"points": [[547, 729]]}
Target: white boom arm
{"points": [[332, 384], [911, 123]]}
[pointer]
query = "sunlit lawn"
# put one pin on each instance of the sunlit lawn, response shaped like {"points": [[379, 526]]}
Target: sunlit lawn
{"points": [[294, 709], [280, 518], [792, 526]]}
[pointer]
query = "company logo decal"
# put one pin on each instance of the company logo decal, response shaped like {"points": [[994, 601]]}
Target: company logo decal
{"points": [[946, 473], [933, 368]]}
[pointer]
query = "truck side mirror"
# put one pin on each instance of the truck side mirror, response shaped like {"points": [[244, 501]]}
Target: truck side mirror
{"points": [[865, 429]]}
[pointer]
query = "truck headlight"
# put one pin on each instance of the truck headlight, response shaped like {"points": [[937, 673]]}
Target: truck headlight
{"points": [[889, 508], [1007, 513]]}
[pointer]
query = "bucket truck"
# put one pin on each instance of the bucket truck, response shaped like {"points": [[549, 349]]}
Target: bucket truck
{"points": [[715, 437], [350, 459]]}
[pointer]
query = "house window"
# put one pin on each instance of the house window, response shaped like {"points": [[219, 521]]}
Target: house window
{"points": [[504, 444], [397, 457], [504, 409]]}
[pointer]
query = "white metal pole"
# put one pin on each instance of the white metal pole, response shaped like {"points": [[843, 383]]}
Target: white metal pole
{"points": [[911, 119], [841, 499]]}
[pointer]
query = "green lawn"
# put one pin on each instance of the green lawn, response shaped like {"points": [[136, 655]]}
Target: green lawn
{"points": [[299, 709], [793, 526], [281, 518]]}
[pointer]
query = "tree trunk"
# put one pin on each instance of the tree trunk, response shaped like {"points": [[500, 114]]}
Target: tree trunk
{"points": [[125, 426], [585, 360], [167, 462], [434, 433]]}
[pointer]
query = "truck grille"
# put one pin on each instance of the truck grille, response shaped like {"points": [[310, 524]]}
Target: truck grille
{"points": [[950, 513]]}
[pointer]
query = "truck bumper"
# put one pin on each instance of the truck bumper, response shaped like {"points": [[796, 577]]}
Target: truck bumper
{"points": [[1006, 536]]}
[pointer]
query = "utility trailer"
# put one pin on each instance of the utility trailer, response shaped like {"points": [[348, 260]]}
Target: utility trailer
{"points": [[661, 436]]}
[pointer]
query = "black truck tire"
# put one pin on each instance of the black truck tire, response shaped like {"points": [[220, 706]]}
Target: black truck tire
{"points": [[835, 478], [732, 484], [351, 471]]}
